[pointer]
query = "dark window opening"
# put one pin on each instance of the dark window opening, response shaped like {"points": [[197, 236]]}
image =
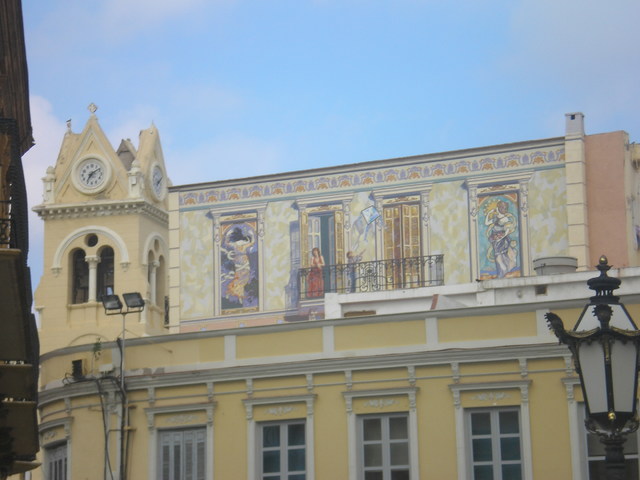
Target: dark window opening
{"points": [[80, 278], [105, 273]]}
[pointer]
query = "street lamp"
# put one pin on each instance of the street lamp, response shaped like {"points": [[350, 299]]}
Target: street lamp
{"points": [[604, 344], [113, 306]]}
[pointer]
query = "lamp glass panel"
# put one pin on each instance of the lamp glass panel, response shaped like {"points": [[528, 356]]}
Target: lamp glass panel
{"points": [[591, 357], [620, 319], [587, 321], [623, 366], [111, 302], [133, 300]]}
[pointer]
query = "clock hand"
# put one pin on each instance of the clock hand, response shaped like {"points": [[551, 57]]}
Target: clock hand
{"points": [[92, 173]]}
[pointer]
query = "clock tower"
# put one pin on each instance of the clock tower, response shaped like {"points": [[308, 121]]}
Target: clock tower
{"points": [[105, 231]]}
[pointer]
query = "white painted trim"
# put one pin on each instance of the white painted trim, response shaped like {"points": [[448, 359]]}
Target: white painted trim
{"points": [[152, 444], [461, 444], [251, 450], [527, 452], [431, 332], [352, 433], [116, 240], [324, 198], [328, 340], [230, 348], [525, 421], [148, 246], [574, 429], [352, 445], [252, 447]]}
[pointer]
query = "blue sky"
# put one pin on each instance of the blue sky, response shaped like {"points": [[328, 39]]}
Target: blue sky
{"points": [[248, 87]]}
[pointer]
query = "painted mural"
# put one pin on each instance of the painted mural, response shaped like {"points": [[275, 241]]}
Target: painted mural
{"points": [[239, 267], [499, 236]]}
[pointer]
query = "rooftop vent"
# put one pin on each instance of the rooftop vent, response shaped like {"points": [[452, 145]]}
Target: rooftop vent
{"points": [[555, 265]]}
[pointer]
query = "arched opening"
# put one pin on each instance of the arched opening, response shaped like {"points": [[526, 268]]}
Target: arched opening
{"points": [[79, 277], [160, 282], [105, 276]]}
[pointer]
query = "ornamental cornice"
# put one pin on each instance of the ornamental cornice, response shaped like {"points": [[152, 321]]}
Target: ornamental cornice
{"points": [[92, 210], [203, 373], [408, 173]]}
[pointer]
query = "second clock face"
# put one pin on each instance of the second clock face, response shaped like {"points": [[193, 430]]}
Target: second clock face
{"points": [[157, 182], [92, 173]]}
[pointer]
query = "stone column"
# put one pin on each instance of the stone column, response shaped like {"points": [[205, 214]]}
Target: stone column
{"points": [[93, 261]]}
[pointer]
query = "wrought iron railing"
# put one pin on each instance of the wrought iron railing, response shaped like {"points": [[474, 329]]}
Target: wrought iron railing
{"points": [[14, 227], [373, 276]]}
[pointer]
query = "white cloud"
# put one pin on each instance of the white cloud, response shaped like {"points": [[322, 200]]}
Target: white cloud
{"points": [[583, 52], [206, 100], [234, 156], [48, 132], [124, 17], [129, 123]]}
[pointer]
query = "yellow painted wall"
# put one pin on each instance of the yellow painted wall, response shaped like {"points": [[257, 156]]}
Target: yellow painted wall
{"points": [[196, 265], [279, 218], [449, 229], [487, 327], [354, 337], [275, 344], [547, 214]]}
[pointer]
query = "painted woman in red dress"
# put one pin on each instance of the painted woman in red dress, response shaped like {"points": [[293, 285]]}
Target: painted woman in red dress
{"points": [[315, 281]]}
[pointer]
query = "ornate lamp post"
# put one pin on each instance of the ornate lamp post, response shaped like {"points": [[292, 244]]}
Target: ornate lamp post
{"points": [[605, 343]]}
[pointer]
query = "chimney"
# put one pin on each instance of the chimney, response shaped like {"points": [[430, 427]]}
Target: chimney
{"points": [[574, 126]]}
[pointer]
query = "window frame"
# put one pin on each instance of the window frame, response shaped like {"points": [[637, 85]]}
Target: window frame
{"points": [[386, 443], [585, 458], [383, 400], [284, 449], [53, 453], [496, 436], [268, 409], [200, 439], [180, 417]]}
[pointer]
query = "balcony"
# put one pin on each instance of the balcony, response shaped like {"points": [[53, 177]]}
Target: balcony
{"points": [[373, 276], [19, 349]]}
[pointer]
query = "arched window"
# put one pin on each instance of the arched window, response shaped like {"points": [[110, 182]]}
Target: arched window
{"points": [[160, 282], [79, 277], [156, 275], [105, 273]]}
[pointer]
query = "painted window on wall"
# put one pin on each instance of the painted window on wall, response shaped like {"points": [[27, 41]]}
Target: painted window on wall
{"points": [[239, 267], [499, 244]]}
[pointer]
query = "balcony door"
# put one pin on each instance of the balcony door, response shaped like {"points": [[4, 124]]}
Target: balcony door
{"points": [[402, 243]]}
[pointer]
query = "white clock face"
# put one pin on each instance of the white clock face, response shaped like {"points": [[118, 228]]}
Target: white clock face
{"points": [[157, 181], [91, 173]]}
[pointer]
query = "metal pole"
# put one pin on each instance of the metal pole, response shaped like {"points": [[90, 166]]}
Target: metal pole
{"points": [[614, 457], [123, 405]]}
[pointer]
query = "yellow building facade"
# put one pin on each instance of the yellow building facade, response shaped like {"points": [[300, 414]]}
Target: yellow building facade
{"points": [[374, 321]]}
